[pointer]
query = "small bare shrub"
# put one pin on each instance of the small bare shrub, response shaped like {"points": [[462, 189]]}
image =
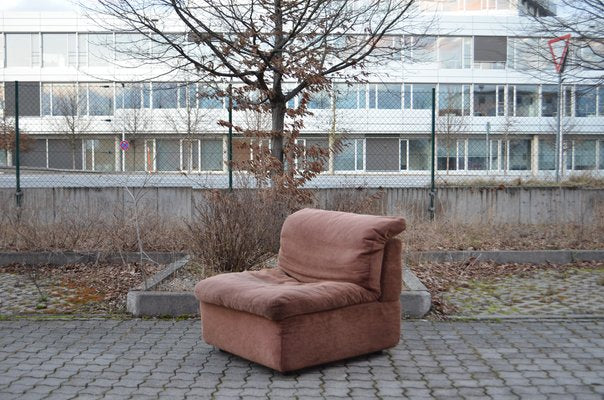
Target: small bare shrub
{"points": [[232, 231], [358, 200]]}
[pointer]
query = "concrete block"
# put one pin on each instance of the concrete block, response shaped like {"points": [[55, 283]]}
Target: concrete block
{"points": [[416, 300], [159, 304]]}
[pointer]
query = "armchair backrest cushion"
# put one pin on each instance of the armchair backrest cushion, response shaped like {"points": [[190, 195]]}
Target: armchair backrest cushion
{"points": [[331, 245]]}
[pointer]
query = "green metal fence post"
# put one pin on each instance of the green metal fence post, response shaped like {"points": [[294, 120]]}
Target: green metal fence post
{"points": [[18, 193], [432, 184], [230, 149]]}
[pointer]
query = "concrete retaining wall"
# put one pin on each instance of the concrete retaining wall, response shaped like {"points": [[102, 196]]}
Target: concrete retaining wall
{"points": [[487, 205]]}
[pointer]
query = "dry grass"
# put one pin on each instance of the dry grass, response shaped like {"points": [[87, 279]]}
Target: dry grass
{"points": [[260, 214], [447, 235], [73, 230]]}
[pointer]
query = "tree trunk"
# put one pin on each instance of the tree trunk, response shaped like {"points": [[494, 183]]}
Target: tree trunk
{"points": [[277, 127], [73, 154]]}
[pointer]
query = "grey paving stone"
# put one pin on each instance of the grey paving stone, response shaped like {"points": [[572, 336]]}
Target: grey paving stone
{"points": [[515, 359]]}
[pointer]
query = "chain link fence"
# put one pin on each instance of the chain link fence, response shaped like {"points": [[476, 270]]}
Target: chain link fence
{"points": [[389, 134]]}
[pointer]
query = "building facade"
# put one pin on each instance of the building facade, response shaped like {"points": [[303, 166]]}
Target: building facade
{"points": [[496, 105]]}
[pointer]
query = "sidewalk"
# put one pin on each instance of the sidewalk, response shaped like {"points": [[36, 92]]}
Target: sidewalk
{"points": [[143, 359]]}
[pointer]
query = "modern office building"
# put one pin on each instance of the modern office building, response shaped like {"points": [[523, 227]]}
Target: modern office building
{"points": [[496, 103]]}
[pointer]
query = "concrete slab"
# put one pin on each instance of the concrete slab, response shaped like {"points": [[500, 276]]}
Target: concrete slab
{"points": [[161, 304]]}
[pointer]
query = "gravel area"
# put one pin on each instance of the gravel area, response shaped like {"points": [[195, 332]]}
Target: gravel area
{"points": [[545, 292], [485, 288], [69, 289]]}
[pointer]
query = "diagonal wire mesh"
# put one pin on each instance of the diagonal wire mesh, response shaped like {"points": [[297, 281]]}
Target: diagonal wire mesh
{"points": [[167, 134]]}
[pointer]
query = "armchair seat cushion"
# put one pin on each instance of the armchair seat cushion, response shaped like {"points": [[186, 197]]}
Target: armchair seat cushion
{"points": [[273, 294]]}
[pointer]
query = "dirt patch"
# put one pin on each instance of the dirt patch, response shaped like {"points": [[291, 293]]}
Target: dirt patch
{"points": [[95, 288]]}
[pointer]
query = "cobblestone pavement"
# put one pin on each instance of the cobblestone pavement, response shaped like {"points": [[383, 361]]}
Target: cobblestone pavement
{"points": [[147, 359], [577, 291]]}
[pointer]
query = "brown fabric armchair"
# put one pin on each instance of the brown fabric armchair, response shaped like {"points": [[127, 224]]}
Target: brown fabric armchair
{"points": [[335, 294]]}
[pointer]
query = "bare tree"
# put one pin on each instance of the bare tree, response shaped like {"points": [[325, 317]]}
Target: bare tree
{"points": [[132, 121], [73, 122], [584, 20], [450, 124], [7, 135], [189, 122], [263, 44]]}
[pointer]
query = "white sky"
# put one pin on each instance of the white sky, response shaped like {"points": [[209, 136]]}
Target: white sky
{"points": [[38, 5]]}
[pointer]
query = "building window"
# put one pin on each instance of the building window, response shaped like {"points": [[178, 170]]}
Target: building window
{"points": [[133, 96], [473, 5], [100, 155], [486, 100], [100, 99], [63, 99], [95, 49], [477, 154], [549, 100], [167, 154], [351, 157], [388, 47], [454, 52], [601, 101], [419, 154], [404, 154], [547, 155], [139, 156], [526, 103], [165, 95], [583, 155], [348, 96], [382, 154], [65, 153], [585, 101], [453, 99], [211, 155], [320, 100], [519, 155], [130, 47], [495, 155], [526, 53], [490, 52], [385, 96], [601, 155], [450, 154], [209, 97], [420, 49], [441, 5], [22, 49], [58, 49], [418, 96]]}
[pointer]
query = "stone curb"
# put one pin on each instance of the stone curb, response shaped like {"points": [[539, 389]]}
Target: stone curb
{"points": [[415, 297], [61, 258], [161, 304], [164, 274], [521, 318], [416, 300], [510, 256]]}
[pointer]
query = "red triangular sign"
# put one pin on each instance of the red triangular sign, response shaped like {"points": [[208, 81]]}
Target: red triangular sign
{"points": [[559, 49]]}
